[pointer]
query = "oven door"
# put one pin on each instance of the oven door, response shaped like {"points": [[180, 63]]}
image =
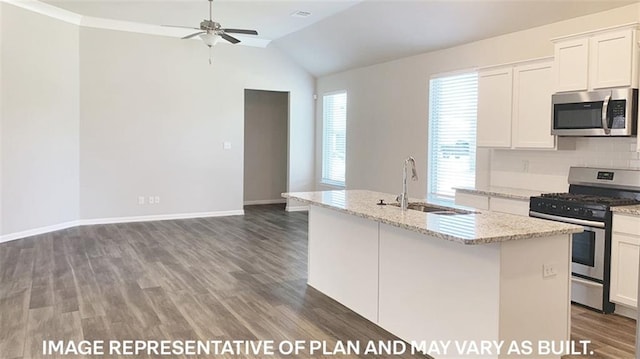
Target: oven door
{"points": [[587, 254], [588, 285]]}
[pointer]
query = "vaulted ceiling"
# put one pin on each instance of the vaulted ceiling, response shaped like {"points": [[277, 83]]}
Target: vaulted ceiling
{"points": [[344, 34]]}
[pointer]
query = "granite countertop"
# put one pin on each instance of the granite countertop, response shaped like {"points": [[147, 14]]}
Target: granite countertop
{"points": [[633, 210], [504, 192], [473, 228]]}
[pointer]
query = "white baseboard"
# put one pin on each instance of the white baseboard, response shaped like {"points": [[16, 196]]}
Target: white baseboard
{"points": [[160, 217], [297, 208], [112, 220], [37, 231], [265, 201], [626, 311]]}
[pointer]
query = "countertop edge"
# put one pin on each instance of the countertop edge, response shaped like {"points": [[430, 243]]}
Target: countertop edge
{"points": [[632, 210], [498, 193], [479, 241]]}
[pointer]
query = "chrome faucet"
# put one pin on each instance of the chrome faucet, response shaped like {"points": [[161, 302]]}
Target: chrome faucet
{"points": [[403, 198]]}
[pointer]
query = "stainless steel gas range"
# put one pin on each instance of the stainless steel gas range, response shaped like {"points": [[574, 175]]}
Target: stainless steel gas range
{"points": [[592, 193]]}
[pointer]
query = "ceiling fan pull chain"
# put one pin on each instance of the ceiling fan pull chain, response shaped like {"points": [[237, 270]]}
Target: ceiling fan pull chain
{"points": [[210, 58]]}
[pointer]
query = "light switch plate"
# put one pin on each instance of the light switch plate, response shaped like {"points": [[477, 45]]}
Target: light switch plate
{"points": [[226, 145]]}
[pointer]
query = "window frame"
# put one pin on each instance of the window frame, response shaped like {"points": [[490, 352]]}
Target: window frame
{"points": [[471, 144], [324, 179]]}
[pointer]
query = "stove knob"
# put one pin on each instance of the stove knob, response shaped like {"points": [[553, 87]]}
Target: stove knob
{"points": [[589, 213], [580, 210]]}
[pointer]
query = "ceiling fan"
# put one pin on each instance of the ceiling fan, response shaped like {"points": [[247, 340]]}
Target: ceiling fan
{"points": [[210, 31]]}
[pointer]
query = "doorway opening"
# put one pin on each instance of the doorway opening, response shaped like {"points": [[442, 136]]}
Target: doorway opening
{"points": [[266, 149]]}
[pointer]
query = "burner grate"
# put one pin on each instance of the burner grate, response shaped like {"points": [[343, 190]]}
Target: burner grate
{"points": [[590, 199]]}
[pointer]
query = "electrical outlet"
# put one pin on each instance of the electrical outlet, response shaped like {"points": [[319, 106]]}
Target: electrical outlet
{"points": [[156, 199], [152, 200], [140, 199], [525, 165], [549, 270]]}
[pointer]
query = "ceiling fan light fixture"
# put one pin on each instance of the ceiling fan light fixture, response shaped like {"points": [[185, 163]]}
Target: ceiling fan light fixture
{"points": [[210, 39]]}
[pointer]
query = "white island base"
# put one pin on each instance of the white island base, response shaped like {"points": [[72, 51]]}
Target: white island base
{"points": [[424, 289]]}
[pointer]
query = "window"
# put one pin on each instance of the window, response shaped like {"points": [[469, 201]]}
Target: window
{"points": [[334, 124], [453, 102]]}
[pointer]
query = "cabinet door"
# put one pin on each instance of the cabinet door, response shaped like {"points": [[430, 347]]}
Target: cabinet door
{"points": [[625, 259], [611, 57], [571, 65], [532, 89], [494, 107]]}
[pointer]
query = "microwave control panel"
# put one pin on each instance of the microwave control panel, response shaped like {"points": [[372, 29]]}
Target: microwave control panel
{"points": [[617, 108]]}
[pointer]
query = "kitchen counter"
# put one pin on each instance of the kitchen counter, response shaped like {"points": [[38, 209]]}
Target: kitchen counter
{"points": [[475, 228], [394, 269], [633, 210], [504, 192]]}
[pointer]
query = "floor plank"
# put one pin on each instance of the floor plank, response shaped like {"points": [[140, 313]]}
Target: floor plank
{"points": [[238, 277]]}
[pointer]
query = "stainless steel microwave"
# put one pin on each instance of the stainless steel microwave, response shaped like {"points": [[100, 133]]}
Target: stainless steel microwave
{"points": [[612, 112]]}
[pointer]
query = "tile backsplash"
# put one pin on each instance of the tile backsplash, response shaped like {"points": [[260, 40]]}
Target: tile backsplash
{"points": [[547, 170]]}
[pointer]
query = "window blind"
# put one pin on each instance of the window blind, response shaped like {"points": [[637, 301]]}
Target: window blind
{"points": [[334, 137], [453, 103]]}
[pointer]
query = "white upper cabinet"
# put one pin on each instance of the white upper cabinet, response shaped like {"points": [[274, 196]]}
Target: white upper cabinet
{"points": [[494, 107], [514, 105], [532, 89], [597, 60], [611, 55], [572, 65]]}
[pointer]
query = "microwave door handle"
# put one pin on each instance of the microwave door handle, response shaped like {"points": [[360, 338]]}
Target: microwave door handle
{"points": [[605, 115]]}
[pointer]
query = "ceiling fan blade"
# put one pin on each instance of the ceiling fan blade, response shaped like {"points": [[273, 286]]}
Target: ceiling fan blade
{"points": [[182, 27], [194, 35], [231, 39], [241, 31]]}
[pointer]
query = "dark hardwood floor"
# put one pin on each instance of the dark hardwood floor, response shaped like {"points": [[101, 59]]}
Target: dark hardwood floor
{"points": [[228, 278]]}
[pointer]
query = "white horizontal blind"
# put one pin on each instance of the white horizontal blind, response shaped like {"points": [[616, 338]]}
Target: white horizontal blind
{"points": [[453, 104], [334, 136]]}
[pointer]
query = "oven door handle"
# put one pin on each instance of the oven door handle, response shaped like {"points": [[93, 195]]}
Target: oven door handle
{"points": [[580, 222]]}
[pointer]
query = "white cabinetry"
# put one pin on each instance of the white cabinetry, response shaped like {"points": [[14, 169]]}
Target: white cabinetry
{"points": [[572, 65], [531, 119], [625, 257], [472, 200], [597, 60], [492, 203], [494, 107], [514, 106], [508, 205]]}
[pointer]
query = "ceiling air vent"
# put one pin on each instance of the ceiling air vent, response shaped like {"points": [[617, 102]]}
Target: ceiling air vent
{"points": [[301, 13]]}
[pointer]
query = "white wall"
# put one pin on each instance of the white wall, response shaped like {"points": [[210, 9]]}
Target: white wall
{"points": [[265, 145], [91, 119], [40, 120], [388, 109], [155, 115]]}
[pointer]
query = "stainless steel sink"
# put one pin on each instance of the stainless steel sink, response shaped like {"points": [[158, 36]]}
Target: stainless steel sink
{"points": [[434, 209]]}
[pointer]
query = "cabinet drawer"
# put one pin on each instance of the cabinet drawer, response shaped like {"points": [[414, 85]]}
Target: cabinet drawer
{"points": [[512, 206], [472, 200], [626, 224]]}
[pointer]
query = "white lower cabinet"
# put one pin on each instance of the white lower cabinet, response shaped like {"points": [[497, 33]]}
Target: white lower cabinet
{"points": [[496, 204], [472, 200], [625, 260], [508, 205]]}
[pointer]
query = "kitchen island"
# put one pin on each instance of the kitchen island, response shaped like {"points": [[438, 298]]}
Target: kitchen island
{"points": [[441, 276]]}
